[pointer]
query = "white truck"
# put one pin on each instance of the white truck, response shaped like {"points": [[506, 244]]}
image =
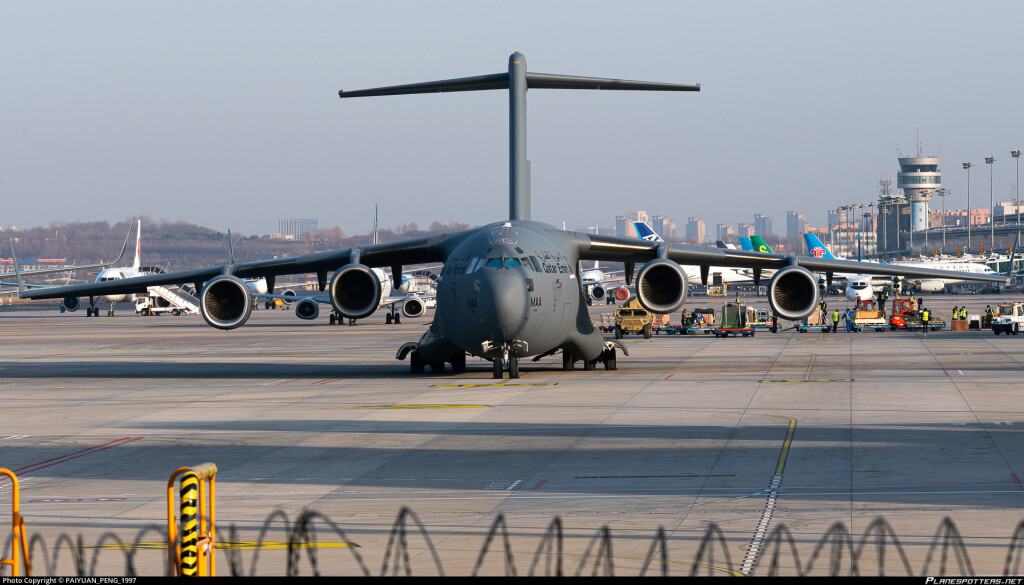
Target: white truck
{"points": [[1009, 318], [156, 306]]}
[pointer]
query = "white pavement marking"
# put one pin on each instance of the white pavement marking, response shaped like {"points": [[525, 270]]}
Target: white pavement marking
{"points": [[15, 437], [762, 526]]}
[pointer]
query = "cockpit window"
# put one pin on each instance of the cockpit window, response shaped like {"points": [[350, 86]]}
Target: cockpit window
{"points": [[512, 263], [493, 263]]}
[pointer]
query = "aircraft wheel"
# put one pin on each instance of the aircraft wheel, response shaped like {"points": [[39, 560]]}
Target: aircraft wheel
{"points": [[568, 361], [609, 360], [398, 319], [647, 331], [513, 367], [351, 322], [415, 362], [589, 365], [459, 363], [387, 319], [496, 369], [332, 319], [590, 302], [266, 305], [437, 368], [1016, 329]]}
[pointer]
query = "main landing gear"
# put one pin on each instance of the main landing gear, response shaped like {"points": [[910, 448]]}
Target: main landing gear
{"points": [[607, 356], [498, 367], [337, 319]]}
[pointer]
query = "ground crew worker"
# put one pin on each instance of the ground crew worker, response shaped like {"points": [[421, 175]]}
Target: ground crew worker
{"points": [[849, 320], [963, 313], [988, 316], [824, 305], [924, 318], [956, 313], [835, 320], [912, 302]]}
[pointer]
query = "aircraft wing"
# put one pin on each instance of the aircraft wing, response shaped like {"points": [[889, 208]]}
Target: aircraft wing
{"points": [[611, 248], [415, 251]]}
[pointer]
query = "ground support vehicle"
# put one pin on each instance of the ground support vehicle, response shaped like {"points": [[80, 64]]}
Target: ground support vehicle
{"points": [[817, 321], [157, 306], [906, 315], [734, 321], [633, 319], [761, 318], [1009, 318], [868, 315]]}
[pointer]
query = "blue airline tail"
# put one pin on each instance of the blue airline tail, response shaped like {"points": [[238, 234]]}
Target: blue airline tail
{"points": [[645, 232], [746, 245], [816, 248]]}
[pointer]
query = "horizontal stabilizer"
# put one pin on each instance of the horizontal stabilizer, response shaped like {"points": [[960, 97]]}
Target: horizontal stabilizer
{"points": [[549, 81], [480, 82]]}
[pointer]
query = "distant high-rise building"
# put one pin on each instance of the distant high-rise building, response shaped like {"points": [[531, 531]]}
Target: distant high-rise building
{"points": [[763, 225], [744, 230], [664, 227], [297, 227], [624, 223], [724, 232], [795, 224], [696, 230]]}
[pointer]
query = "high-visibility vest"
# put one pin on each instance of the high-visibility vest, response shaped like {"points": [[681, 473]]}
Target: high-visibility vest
{"points": [[924, 315], [835, 316], [963, 312], [956, 312]]}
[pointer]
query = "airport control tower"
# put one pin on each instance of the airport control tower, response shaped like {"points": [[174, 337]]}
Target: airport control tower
{"points": [[919, 178]]}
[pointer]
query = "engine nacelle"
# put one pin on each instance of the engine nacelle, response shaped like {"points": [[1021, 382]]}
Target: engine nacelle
{"points": [[597, 292], [621, 293], [289, 293], [355, 291], [793, 293], [71, 304], [932, 286], [226, 302], [414, 307], [661, 286], [307, 309]]}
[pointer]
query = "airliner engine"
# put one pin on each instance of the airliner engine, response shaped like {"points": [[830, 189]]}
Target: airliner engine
{"points": [[597, 292], [414, 307], [289, 293], [661, 286], [226, 302], [355, 291], [71, 304], [932, 286], [793, 293], [621, 293], [307, 309]]}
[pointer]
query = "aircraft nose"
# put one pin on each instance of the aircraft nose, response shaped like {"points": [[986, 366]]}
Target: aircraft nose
{"points": [[503, 295]]}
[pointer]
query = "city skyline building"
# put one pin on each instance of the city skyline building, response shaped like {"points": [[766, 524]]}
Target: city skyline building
{"points": [[696, 230], [297, 227], [796, 225], [763, 225]]}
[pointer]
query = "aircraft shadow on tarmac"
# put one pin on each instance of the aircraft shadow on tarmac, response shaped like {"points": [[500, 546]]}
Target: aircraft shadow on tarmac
{"points": [[928, 464]]}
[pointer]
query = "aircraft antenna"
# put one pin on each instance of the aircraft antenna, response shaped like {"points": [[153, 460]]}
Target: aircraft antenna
{"points": [[516, 81]]}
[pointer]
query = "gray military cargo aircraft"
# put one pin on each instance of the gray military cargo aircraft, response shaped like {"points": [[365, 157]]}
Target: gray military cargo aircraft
{"points": [[511, 289]]}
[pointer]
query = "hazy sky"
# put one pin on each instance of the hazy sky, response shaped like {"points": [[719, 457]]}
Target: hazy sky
{"points": [[226, 113]]}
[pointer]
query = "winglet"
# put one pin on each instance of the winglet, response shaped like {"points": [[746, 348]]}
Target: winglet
{"points": [[231, 250], [17, 271], [1009, 269]]}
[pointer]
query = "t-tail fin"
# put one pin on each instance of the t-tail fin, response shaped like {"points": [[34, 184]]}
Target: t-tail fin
{"points": [[746, 245], [645, 232], [516, 80], [760, 245], [816, 248], [137, 264]]}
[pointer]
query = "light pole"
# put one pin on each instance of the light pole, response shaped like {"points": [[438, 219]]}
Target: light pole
{"points": [[968, 166], [871, 214], [942, 193], [1016, 156], [992, 204]]}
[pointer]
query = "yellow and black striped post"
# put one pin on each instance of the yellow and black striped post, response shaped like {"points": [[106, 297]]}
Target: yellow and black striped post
{"points": [[189, 498], [193, 554], [20, 542]]}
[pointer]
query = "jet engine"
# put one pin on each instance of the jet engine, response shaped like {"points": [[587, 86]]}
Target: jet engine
{"points": [[597, 292], [793, 293], [71, 304], [355, 291], [661, 286], [414, 307], [289, 293], [226, 302], [621, 293], [307, 309], [932, 286]]}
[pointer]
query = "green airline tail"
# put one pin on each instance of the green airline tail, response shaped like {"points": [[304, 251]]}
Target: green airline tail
{"points": [[760, 245]]}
